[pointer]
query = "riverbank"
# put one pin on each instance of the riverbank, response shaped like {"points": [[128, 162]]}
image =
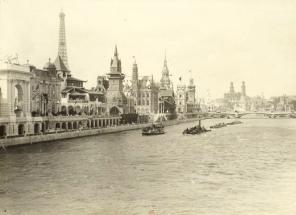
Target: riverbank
{"points": [[16, 141]]}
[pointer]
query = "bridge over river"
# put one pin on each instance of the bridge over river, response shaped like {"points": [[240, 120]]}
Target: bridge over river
{"points": [[265, 114]]}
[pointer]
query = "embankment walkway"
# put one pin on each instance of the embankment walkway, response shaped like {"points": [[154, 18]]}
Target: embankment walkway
{"points": [[16, 141]]}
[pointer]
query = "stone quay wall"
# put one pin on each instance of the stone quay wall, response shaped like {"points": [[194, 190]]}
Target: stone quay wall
{"points": [[16, 141]]}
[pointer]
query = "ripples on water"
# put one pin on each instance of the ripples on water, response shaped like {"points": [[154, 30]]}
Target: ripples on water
{"points": [[247, 169]]}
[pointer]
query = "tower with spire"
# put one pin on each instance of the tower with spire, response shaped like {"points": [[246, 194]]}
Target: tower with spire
{"points": [[191, 90], [237, 101], [116, 100], [165, 76], [135, 78], [181, 97]]}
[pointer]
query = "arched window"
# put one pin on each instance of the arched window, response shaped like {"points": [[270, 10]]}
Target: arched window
{"points": [[18, 93]]}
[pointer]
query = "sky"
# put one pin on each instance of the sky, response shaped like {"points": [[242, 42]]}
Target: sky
{"points": [[218, 40]]}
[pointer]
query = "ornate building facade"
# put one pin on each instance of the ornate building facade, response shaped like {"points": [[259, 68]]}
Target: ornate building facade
{"points": [[186, 98], [45, 90], [116, 100], [166, 97], [181, 97], [15, 99], [145, 93], [42, 101]]}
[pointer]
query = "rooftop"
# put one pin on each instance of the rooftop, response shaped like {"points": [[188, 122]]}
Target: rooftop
{"points": [[15, 67], [74, 79], [60, 65]]}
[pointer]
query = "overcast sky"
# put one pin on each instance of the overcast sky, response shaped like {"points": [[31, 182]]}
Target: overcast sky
{"points": [[218, 40]]}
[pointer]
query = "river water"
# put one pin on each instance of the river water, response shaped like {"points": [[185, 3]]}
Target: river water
{"points": [[246, 169]]}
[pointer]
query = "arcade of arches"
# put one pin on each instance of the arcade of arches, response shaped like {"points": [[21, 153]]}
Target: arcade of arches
{"points": [[57, 124], [72, 110]]}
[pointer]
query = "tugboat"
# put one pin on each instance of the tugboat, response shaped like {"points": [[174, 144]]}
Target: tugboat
{"points": [[154, 129], [198, 129], [195, 130]]}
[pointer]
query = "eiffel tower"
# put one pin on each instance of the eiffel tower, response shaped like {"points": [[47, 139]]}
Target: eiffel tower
{"points": [[62, 52]]}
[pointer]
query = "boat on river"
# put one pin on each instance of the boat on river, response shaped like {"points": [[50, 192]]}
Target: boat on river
{"points": [[198, 129], [154, 129], [236, 122], [195, 130], [219, 125]]}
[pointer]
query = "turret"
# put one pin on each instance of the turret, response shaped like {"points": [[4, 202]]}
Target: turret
{"points": [[243, 89], [135, 77], [231, 88], [49, 66], [191, 91]]}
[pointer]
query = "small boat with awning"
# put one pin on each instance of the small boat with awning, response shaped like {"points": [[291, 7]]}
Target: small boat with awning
{"points": [[154, 129]]}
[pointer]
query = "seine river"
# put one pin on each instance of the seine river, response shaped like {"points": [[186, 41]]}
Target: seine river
{"points": [[246, 169]]}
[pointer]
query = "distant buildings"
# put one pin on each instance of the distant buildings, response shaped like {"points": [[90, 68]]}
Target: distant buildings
{"points": [[237, 101], [241, 102], [283, 103]]}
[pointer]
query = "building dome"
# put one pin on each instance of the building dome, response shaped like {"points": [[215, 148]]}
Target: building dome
{"points": [[49, 66]]}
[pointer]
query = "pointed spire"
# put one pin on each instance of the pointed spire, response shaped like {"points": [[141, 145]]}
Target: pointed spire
{"points": [[135, 77], [165, 79], [135, 65], [115, 51], [165, 59], [115, 62], [62, 14]]}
